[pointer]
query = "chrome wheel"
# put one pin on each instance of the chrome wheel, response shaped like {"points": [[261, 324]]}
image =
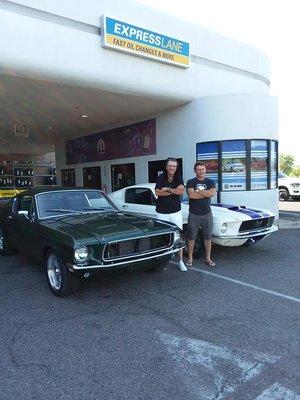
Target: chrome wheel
{"points": [[54, 271], [1, 240]]}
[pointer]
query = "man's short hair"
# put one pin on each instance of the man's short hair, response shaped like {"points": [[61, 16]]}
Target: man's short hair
{"points": [[199, 163], [171, 159]]}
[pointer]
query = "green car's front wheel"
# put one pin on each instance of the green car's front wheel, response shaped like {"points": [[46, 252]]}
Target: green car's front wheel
{"points": [[5, 247], [61, 280]]}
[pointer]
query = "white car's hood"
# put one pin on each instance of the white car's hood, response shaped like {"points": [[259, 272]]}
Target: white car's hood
{"points": [[288, 180], [232, 213]]}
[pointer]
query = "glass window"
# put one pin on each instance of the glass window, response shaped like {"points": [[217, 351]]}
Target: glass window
{"points": [[140, 196], [24, 203], [122, 175], [234, 165], [246, 164], [259, 164], [273, 164], [209, 154], [66, 202], [68, 177]]}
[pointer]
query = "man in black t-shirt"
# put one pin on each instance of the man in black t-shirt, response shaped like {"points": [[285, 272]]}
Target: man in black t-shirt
{"points": [[200, 191], [168, 189]]}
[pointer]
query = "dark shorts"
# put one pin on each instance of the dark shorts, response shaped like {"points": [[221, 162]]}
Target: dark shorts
{"points": [[196, 221]]}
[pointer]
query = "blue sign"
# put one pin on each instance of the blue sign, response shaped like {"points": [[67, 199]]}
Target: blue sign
{"points": [[122, 36]]}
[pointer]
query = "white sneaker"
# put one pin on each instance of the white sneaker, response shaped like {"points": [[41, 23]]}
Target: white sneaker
{"points": [[182, 266]]}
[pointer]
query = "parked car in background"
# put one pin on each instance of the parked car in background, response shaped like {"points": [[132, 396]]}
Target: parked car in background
{"points": [[232, 225], [77, 231], [233, 167], [288, 186]]}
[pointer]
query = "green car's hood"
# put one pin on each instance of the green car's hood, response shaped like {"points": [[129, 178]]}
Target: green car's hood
{"points": [[107, 226]]}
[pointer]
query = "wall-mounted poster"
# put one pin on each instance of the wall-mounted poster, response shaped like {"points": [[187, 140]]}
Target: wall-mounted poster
{"points": [[273, 158], [259, 164], [234, 165], [133, 140], [208, 153]]}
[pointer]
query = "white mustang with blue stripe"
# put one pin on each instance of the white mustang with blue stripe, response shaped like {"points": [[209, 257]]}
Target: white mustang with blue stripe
{"points": [[232, 225]]}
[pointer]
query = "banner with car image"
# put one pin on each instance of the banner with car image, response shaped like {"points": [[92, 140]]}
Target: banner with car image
{"points": [[208, 153], [259, 164], [234, 165], [273, 164]]}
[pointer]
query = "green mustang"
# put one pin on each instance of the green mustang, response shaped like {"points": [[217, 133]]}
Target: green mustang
{"points": [[76, 231]]}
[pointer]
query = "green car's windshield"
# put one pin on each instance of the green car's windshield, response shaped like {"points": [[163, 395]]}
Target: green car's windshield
{"points": [[67, 202]]}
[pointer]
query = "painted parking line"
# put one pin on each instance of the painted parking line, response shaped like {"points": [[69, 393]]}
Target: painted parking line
{"points": [[278, 392], [236, 281]]}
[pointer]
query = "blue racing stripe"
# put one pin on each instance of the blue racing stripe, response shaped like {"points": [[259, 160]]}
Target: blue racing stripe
{"points": [[252, 213]]}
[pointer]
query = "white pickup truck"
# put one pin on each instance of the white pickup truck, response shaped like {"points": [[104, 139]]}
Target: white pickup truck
{"points": [[288, 186]]}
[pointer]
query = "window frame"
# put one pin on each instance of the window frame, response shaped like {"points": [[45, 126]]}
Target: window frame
{"points": [[140, 189], [248, 163]]}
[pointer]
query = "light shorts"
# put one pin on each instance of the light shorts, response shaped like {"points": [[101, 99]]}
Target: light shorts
{"points": [[196, 221], [176, 218]]}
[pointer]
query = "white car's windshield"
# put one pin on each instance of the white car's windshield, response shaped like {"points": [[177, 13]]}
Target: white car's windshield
{"points": [[67, 202]]}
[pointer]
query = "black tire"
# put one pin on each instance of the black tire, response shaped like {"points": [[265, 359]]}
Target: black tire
{"points": [[283, 194], [199, 244], [5, 247], [62, 282]]}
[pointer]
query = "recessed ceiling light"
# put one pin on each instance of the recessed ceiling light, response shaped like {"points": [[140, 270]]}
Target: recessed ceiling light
{"points": [[84, 116], [50, 127]]}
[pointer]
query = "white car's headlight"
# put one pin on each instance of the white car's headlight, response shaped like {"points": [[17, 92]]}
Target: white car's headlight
{"points": [[177, 236], [223, 227], [81, 253]]}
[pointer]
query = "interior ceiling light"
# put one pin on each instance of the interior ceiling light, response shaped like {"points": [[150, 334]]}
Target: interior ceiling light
{"points": [[19, 130], [84, 116]]}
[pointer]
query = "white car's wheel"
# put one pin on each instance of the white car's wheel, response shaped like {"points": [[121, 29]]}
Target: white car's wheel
{"points": [[283, 194]]}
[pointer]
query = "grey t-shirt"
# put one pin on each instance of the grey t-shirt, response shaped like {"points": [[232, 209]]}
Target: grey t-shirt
{"points": [[200, 206]]}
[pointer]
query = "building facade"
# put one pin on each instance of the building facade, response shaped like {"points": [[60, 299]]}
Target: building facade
{"points": [[123, 87]]}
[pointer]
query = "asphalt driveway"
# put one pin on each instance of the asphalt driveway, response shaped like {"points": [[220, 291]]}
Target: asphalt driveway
{"points": [[227, 333]]}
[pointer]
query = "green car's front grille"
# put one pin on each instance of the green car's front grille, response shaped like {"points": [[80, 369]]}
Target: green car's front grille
{"points": [[137, 246]]}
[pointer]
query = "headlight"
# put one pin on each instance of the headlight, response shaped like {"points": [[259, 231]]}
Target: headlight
{"points": [[177, 236], [81, 253], [223, 227]]}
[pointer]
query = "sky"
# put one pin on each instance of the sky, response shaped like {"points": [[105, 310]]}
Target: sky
{"points": [[271, 26]]}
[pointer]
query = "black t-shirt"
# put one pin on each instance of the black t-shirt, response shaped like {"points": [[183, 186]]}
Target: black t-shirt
{"points": [[200, 206], [169, 204]]}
